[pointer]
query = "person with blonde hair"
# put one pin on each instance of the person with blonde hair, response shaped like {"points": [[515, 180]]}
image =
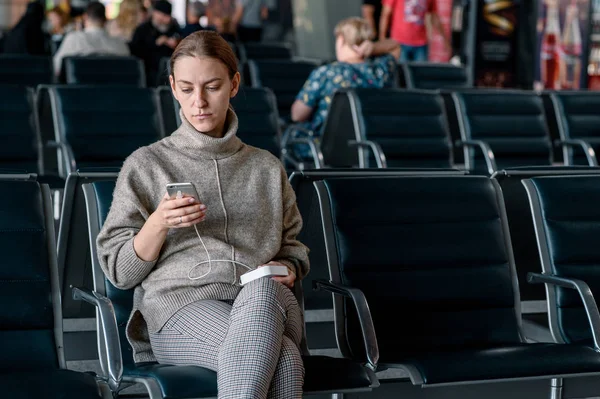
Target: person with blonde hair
{"points": [[360, 63], [131, 15]]}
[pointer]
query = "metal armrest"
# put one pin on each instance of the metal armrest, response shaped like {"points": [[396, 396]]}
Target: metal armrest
{"points": [[589, 152], [375, 148], [488, 154], [364, 316], [112, 344], [585, 293], [315, 151], [68, 160]]}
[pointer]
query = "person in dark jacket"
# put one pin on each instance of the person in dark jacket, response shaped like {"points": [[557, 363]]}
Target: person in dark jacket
{"points": [[155, 39], [27, 36]]}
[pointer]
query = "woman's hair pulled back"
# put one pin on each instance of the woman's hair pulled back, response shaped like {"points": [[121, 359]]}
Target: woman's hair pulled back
{"points": [[206, 43]]}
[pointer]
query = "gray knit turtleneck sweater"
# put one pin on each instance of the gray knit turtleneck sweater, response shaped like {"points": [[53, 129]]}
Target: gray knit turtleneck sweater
{"points": [[251, 218]]}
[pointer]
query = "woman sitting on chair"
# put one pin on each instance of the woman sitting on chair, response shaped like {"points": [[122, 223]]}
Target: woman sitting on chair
{"points": [[185, 255]]}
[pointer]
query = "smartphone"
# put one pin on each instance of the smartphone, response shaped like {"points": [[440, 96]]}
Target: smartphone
{"points": [[185, 188]]}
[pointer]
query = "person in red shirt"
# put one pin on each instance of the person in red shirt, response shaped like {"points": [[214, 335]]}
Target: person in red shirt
{"points": [[410, 27]]}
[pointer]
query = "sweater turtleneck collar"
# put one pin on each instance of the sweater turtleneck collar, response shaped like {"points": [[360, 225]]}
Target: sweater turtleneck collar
{"points": [[187, 138]]}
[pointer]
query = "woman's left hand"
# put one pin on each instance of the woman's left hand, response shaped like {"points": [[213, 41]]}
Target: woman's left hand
{"points": [[288, 280]]}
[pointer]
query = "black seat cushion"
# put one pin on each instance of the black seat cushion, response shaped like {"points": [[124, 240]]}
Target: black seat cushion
{"points": [[323, 373], [56, 384], [502, 362]]}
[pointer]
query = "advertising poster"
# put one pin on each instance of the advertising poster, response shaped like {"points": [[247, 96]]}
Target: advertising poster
{"points": [[495, 43], [562, 31], [594, 53], [438, 51]]}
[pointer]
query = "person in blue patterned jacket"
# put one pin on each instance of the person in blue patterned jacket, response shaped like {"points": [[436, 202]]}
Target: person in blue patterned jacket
{"points": [[360, 63]]}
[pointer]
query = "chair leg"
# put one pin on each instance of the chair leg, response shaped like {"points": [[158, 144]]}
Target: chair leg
{"points": [[556, 386]]}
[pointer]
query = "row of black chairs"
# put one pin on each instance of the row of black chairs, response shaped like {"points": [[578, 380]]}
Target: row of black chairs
{"points": [[431, 250], [60, 128], [33, 70], [33, 277], [484, 130]]}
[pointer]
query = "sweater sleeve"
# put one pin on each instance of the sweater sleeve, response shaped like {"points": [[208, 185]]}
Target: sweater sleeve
{"points": [[293, 253], [128, 213]]}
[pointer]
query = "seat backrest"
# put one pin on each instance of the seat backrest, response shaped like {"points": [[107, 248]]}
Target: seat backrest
{"points": [[25, 70], [284, 77], [19, 131], [520, 222], [338, 129], [264, 51], [512, 123], [103, 125], [74, 260], [98, 198], [311, 234], [578, 119], [103, 70], [168, 109], [430, 253], [410, 126], [30, 319], [565, 210], [431, 76], [256, 110]]}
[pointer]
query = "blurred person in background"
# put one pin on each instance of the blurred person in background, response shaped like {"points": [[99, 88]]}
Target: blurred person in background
{"points": [[27, 36], [131, 15], [195, 11], [58, 22], [412, 25], [248, 18], [156, 39], [94, 39], [220, 16], [371, 12], [360, 63]]}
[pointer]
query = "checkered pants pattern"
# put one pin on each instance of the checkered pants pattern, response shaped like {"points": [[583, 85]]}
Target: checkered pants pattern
{"points": [[252, 343]]}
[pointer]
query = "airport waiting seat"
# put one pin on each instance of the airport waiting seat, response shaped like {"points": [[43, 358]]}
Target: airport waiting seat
{"points": [[386, 128], [19, 131], [318, 305], [73, 246], [502, 129], [565, 215], [284, 77], [520, 222], [324, 375], [32, 364], [100, 126], [425, 265], [25, 70], [578, 118], [104, 70], [256, 109], [430, 76]]}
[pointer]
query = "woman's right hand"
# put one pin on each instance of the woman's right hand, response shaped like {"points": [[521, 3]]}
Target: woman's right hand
{"points": [[178, 212]]}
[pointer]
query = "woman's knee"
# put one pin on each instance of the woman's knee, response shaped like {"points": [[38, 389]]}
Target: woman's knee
{"points": [[267, 290]]}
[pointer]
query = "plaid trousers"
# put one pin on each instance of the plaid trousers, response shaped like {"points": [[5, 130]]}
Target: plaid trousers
{"points": [[252, 344]]}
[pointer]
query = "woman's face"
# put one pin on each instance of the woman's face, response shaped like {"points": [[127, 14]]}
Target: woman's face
{"points": [[203, 88]]}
